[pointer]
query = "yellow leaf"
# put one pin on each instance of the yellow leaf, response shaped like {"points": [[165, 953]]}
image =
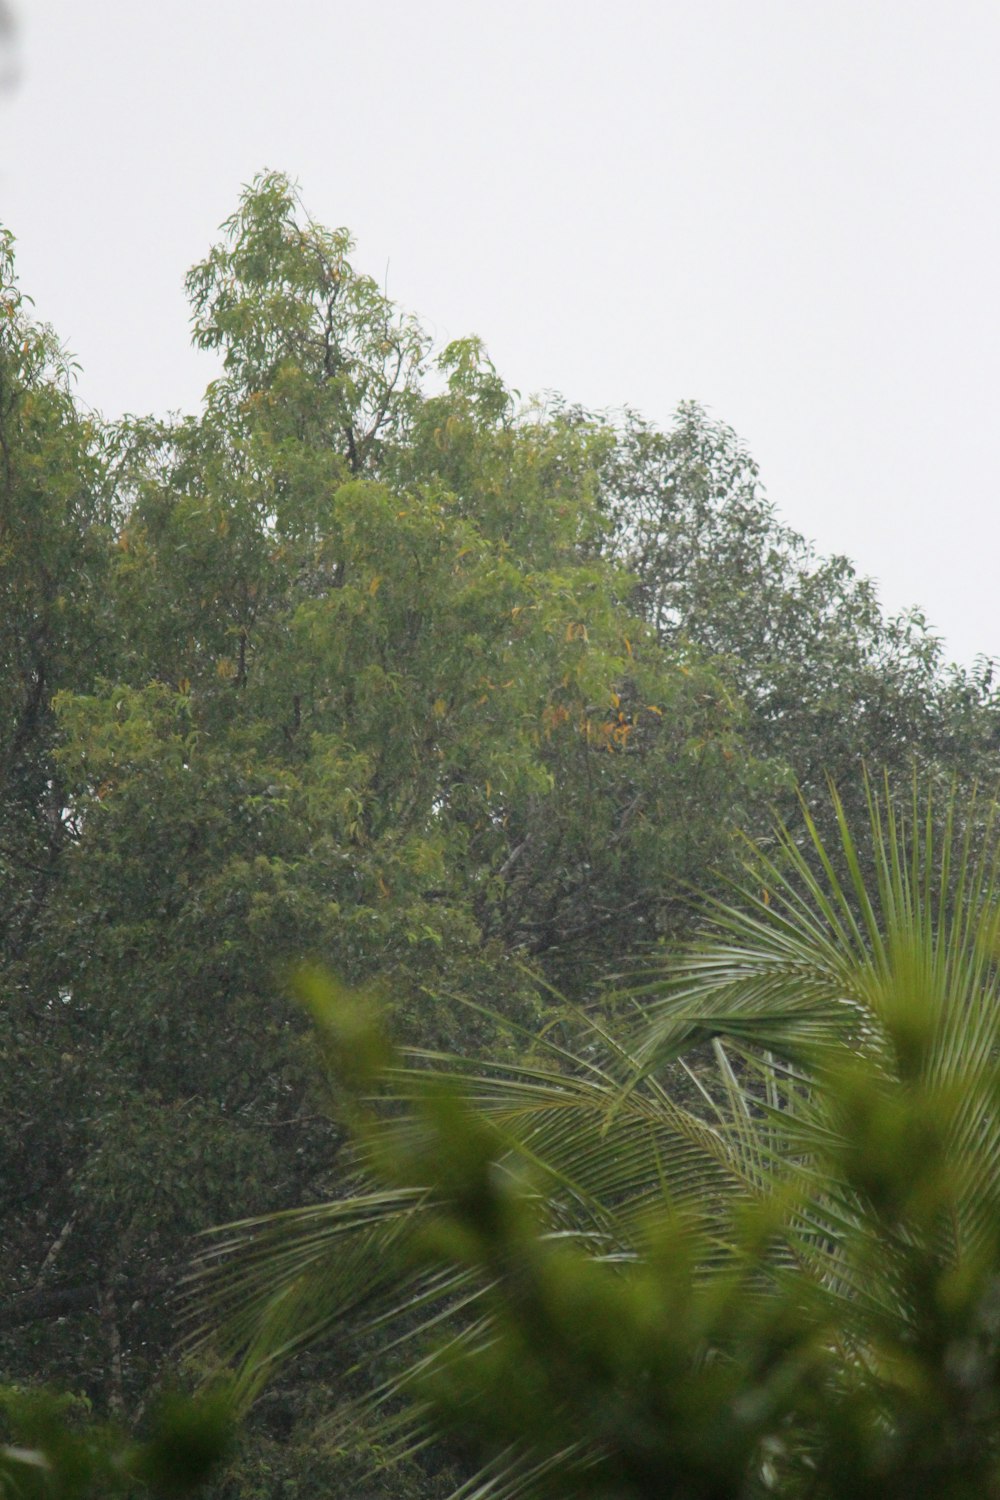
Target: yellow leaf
{"points": [[373, 587], [615, 700], [628, 645], [440, 708]]}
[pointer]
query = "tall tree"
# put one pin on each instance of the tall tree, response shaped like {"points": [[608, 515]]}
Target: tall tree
{"points": [[830, 681], [303, 335], [54, 525], [365, 692], [56, 520]]}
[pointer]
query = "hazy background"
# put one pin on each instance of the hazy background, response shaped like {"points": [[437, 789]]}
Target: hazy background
{"points": [[786, 210]]}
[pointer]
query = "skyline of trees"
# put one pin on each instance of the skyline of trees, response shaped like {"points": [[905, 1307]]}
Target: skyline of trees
{"points": [[362, 663]]}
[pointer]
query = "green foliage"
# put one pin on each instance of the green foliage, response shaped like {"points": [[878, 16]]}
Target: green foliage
{"points": [[652, 1379], [789, 1287], [322, 666], [309, 343], [455, 696], [53, 1450], [828, 679], [53, 565]]}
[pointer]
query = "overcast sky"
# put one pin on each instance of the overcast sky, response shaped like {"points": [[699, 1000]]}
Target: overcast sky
{"points": [[788, 210]]}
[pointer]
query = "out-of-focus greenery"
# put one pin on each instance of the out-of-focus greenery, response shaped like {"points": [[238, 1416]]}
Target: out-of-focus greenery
{"points": [[795, 1288], [51, 1448], [655, 1379]]}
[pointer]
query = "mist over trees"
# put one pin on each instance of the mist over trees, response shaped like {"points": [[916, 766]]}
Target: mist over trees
{"points": [[468, 701]]}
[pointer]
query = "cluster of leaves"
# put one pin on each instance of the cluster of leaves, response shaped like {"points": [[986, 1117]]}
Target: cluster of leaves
{"points": [[830, 680], [54, 1450]]}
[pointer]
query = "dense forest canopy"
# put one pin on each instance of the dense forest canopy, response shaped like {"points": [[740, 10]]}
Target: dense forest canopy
{"points": [[367, 663]]}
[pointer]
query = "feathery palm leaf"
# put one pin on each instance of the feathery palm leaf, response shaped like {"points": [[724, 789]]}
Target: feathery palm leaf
{"points": [[267, 1288], [814, 964]]}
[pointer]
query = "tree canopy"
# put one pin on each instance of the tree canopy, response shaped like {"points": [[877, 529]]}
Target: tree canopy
{"points": [[467, 700]]}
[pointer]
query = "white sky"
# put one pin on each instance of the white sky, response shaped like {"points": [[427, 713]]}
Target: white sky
{"points": [[788, 210]]}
